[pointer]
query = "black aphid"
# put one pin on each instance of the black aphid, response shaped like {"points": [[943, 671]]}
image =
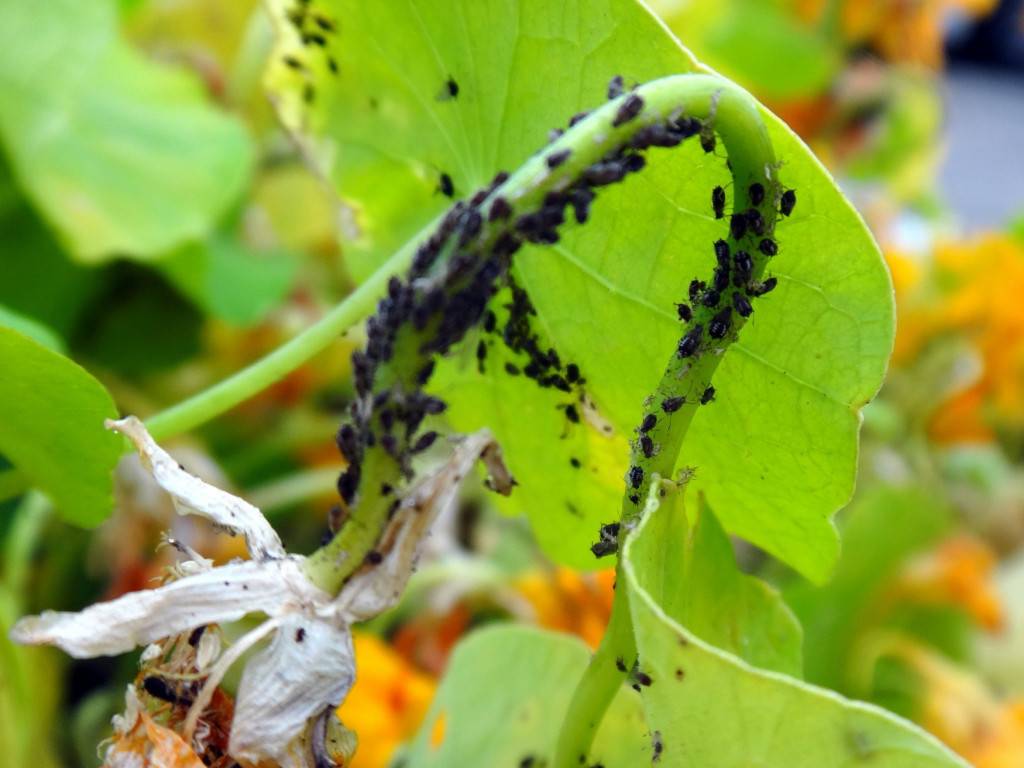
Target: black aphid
{"points": [[721, 278], [649, 422], [744, 268], [616, 87], [742, 305], [630, 108], [755, 222], [646, 446], [292, 62], [722, 253], [580, 198], [158, 688], [760, 289], [600, 174], [696, 289], [620, 664], [490, 321], [718, 202], [607, 542], [314, 38], [577, 118], [685, 313], [424, 441], [788, 202], [636, 477], [707, 141], [300, 635], [555, 159], [452, 88], [710, 298], [768, 247], [672, 404], [481, 355], [446, 186], [689, 344], [373, 557], [719, 325], [512, 369], [348, 483], [574, 462], [327, 25], [643, 678], [657, 746], [737, 226], [708, 396], [332, 65], [756, 193], [572, 414]]}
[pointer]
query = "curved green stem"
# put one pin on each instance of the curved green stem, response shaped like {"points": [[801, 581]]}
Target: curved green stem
{"points": [[259, 375], [736, 119]]}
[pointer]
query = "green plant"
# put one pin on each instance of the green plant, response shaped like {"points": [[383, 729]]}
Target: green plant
{"points": [[755, 415]]}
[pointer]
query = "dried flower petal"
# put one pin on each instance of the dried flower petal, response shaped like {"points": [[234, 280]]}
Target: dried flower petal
{"points": [[192, 496]]}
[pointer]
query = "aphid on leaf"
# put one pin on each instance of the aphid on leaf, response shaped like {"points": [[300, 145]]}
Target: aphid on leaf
{"points": [[450, 90], [574, 462], [616, 87], [373, 557], [423, 442], [672, 404], [481, 355], [511, 369], [710, 298], [332, 65], [630, 108], [646, 446], [760, 289], [708, 396], [324, 23], [742, 305], [722, 252], [737, 226], [555, 159], [721, 279], [607, 542], [718, 202], [696, 289], [768, 247], [707, 141], [572, 414], [657, 746], [635, 476], [689, 344], [685, 313], [649, 422], [756, 193], [719, 325], [744, 267], [755, 222], [293, 62], [159, 688], [788, 202], [445, 185]]}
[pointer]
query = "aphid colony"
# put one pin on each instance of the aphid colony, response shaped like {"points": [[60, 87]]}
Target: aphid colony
{"points": [[315, 30], [453, 276]]}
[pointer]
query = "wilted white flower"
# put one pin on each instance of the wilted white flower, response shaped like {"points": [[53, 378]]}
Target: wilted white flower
{"points": [[307, 668]]}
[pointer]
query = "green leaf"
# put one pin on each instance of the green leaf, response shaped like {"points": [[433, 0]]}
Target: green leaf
{"points": [[121, 155], [504, 696], [776, 453], [51, 427], [230, 281], [35, 330], [712, 708], [711, 597]]}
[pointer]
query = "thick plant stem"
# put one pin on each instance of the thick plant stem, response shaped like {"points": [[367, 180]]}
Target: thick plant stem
{"points": [[684, 388]]}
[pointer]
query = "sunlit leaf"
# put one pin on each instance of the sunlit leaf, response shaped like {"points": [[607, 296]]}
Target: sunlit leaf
{"points": [[775, 453], [708, 707], [500, 714], [51, 427]]}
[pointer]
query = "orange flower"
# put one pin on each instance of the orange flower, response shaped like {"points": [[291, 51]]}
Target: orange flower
{"points": [[579, 603], [958, 572], [387, 703], [1002, 746]]}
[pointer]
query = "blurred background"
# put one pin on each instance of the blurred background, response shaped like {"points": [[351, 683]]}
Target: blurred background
{"points": [[210, 243]]}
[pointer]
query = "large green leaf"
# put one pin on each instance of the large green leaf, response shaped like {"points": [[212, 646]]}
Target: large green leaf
{"points": [[51, 427], [709, 595], [712, 708], [121, 155], [503, 699], [775, 454]]}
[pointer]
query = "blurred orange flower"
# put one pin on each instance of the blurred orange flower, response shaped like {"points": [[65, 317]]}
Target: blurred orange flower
{"points": [[578, 603], [387, 703]]}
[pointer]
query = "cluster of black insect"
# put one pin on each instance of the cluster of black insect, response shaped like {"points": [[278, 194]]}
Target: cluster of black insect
{"points": [[453, 277], [315, 30]]}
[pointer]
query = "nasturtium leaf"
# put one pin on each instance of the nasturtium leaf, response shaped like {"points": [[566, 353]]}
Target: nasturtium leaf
{"points": [[776, 452], [121, 155], [712, 598], [35, 330], [709, 707], [51, 427], [229, 280], [504, 697]]}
